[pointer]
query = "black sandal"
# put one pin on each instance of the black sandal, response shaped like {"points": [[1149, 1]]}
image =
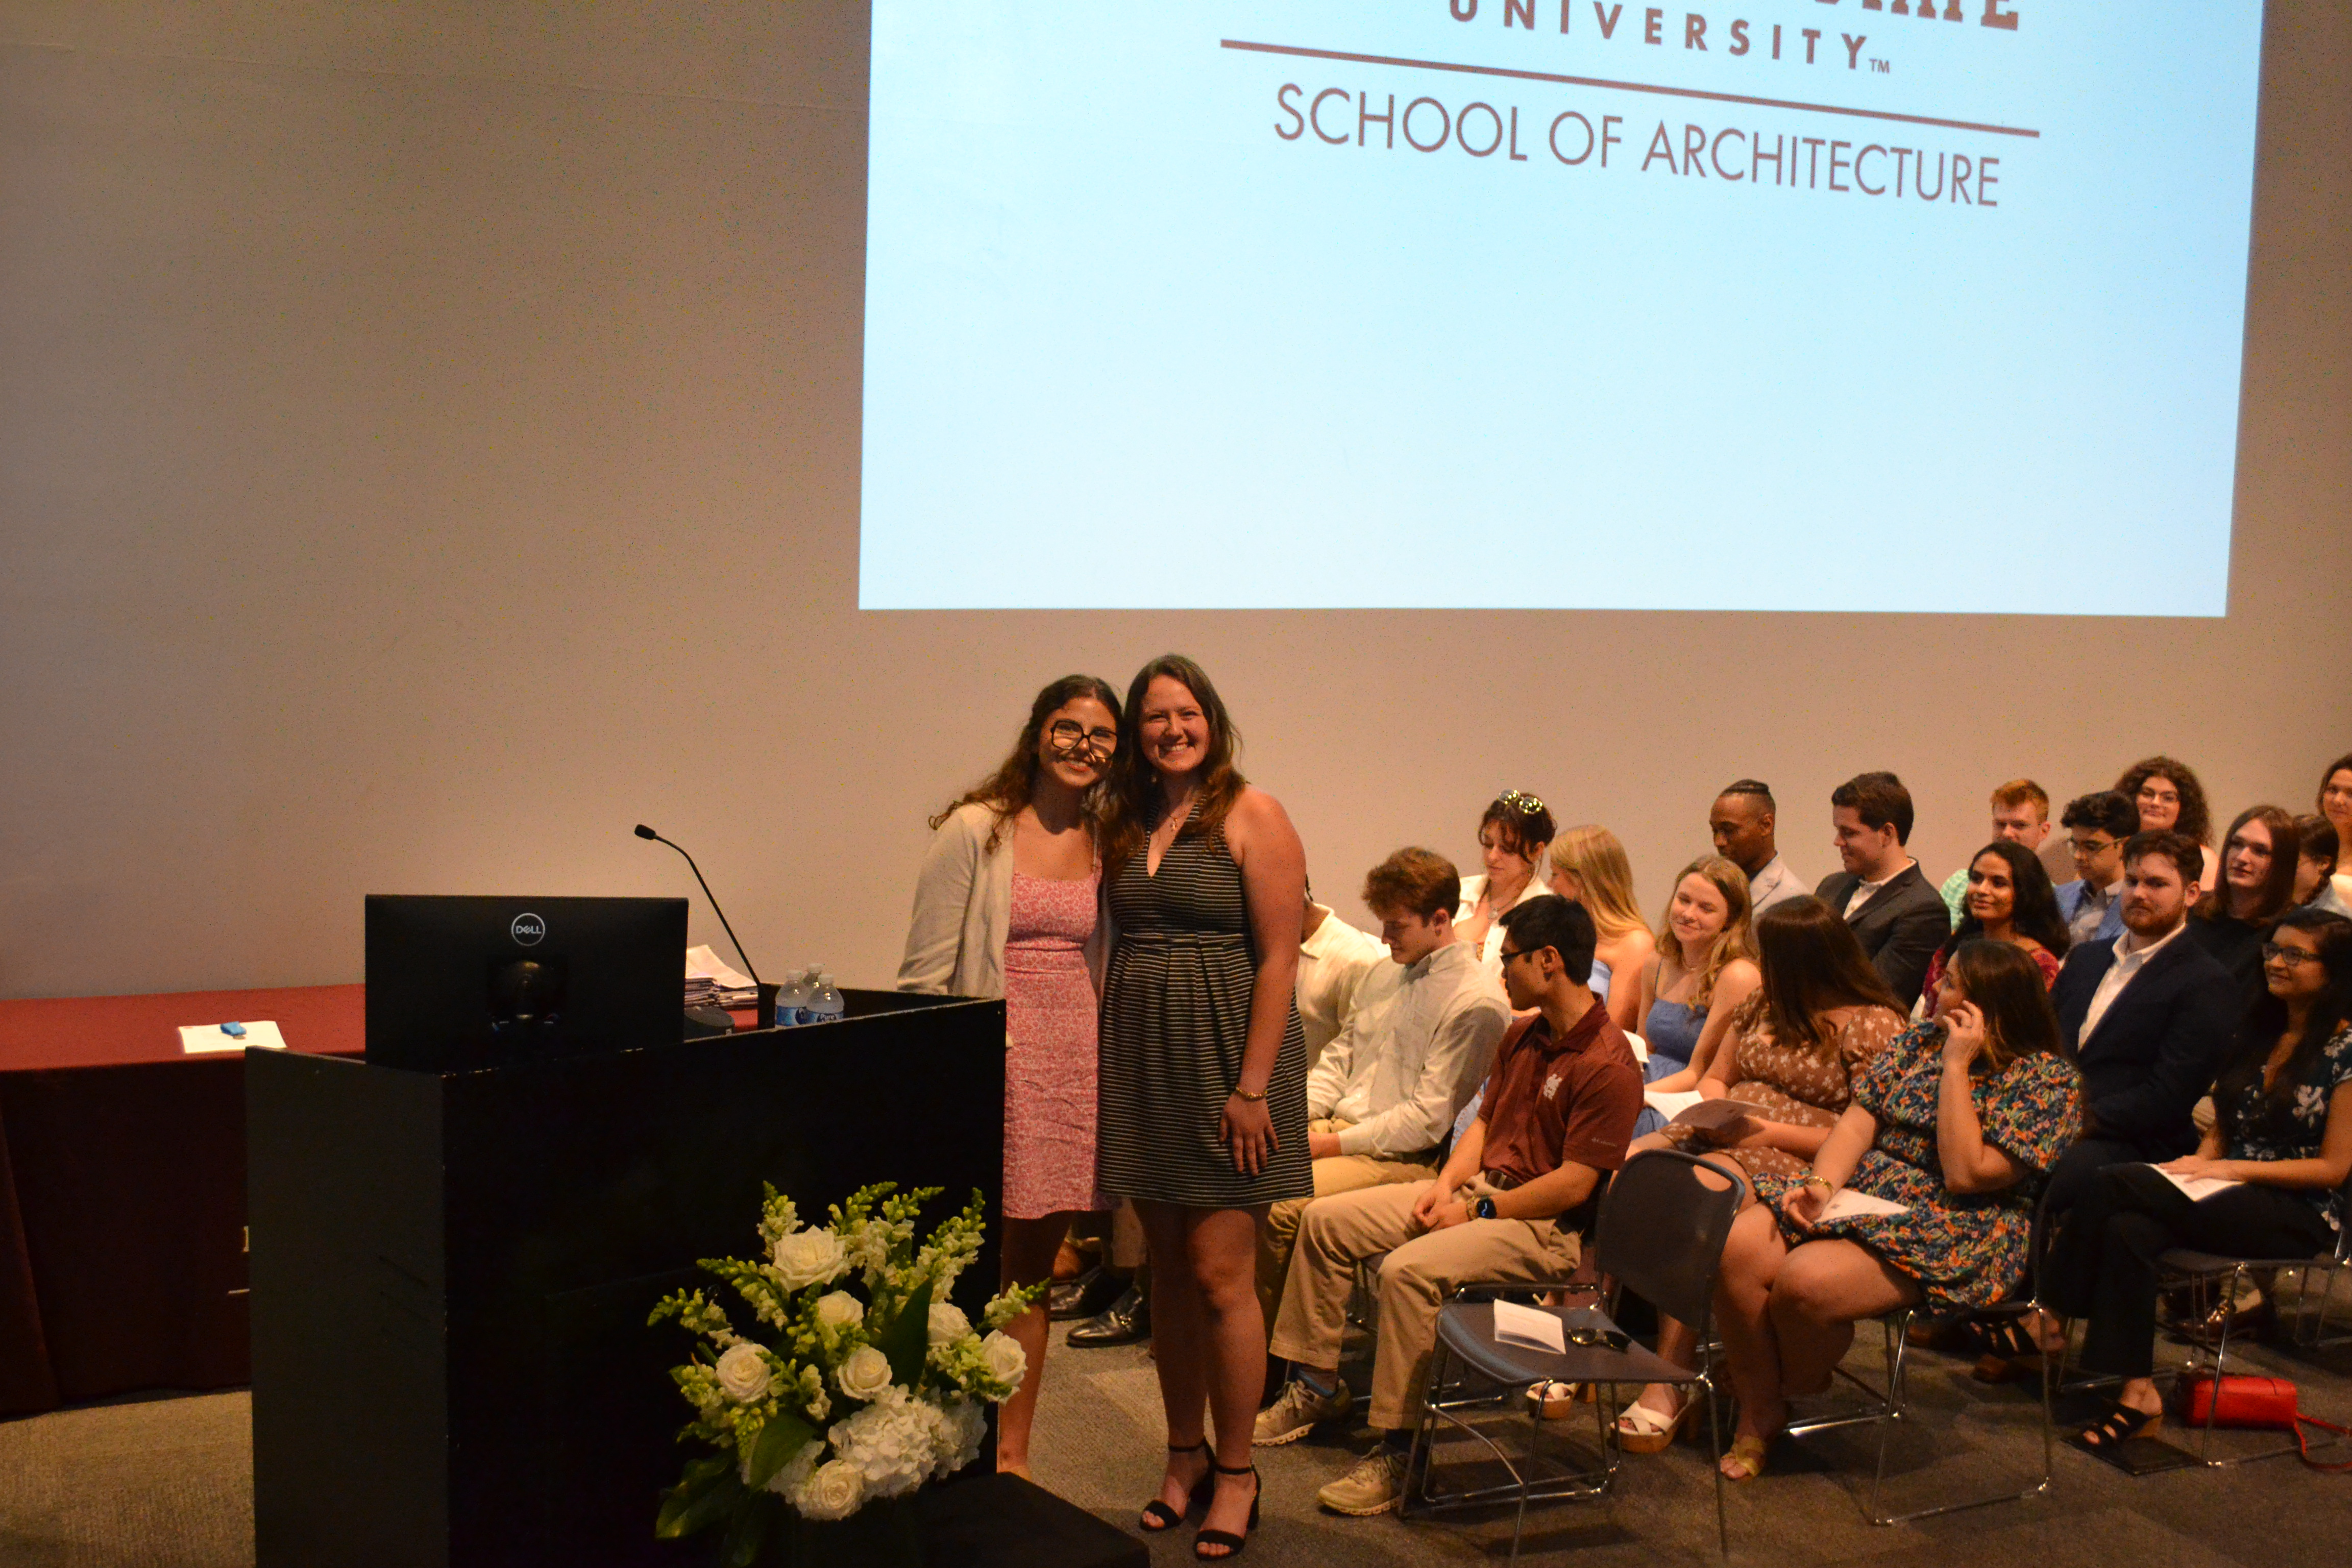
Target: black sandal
{"points": [[1157, 1516], [2121, 1426], [2004, 1338], [1232, 1543]]}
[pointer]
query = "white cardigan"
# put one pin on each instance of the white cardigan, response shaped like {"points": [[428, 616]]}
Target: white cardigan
{"points": [[963, 902]]}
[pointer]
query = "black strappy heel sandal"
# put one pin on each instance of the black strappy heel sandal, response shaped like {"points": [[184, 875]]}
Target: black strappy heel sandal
{"points": [[2121, 1425], [1157, 1516], [1232, 1543]]}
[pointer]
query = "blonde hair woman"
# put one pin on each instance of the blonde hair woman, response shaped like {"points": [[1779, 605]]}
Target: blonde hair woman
{"points": [[1589, 868], [1704, 969]]}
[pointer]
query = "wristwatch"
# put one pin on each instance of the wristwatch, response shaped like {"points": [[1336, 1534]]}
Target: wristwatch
{"points": [[1485, 1209]]}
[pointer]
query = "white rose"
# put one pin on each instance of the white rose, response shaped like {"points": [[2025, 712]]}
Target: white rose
{"points": [[1007, 1362], [834, 1489], [864, 1372], [743, 1373], [840, 1310], [948, 1324], [808, 1258]]}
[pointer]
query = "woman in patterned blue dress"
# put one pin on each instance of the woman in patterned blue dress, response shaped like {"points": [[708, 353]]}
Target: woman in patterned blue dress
{"points": [[1959, 1122], [2282, 1132]]}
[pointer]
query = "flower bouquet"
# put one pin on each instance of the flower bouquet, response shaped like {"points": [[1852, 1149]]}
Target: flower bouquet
{"points": [[859, 1381]]}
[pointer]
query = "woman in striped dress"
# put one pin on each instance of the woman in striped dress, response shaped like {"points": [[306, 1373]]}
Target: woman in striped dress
{"points": [[1203, 1081]]}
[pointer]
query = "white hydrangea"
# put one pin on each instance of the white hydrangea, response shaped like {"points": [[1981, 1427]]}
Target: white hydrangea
{"points": [[963, 1426], [890, 1443]]}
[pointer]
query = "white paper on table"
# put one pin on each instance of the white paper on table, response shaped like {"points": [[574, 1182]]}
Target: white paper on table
{"points": [[1851, 1204], [198, 1039], [2198, 1188], [1670, 1104], [1518, 1325], [701, 963]]}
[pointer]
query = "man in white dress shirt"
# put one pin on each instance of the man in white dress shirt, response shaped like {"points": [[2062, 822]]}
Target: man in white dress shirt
{"points": [[1384, 1095], [1742, 822], [1340, 969]]}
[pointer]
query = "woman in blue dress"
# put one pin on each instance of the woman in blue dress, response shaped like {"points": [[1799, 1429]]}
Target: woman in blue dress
{"points": [[1704, 969]]}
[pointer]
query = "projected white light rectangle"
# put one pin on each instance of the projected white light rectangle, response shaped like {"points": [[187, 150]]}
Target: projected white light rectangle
{"points": [[1733, 305]]}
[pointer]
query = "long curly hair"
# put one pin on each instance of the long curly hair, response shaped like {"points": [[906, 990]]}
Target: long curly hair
{"points": [[2034, 911], [1131, 800], [2196, 816], [1737, 938], [2331, 934], [1007, 790]]}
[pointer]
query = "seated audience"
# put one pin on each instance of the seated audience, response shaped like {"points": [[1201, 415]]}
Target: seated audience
{"points": [[2258, 862], [2336, 805], [1589, 867], [1895, 914], [2096, 827], [1509, 1205], [1742, 822], [2010, 900], [1957, 1120], [1340, 969], [2170, 800], [1704, 969], [1512, 838], [2283, 1131], [1798, 1048], [2021, 815], [2314, 867], [1383, 1098]]}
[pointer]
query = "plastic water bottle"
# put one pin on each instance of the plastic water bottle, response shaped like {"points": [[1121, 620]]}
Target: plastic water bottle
{"points": [[826, 1003], [792, 1003]]}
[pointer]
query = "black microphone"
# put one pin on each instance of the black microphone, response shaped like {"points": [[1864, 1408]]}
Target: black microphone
{"points": [[645, 832]]}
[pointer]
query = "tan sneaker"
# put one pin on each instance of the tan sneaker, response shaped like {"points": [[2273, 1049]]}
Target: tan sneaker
{"points": [[1295, 1414], [1375, 1486]]}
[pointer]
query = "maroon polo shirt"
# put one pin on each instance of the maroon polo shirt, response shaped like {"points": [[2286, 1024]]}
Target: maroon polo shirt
{"points": [[1552, 1100]]}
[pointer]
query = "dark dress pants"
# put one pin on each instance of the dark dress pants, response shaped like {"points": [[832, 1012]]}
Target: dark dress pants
{"points": [[2102, 1263]]}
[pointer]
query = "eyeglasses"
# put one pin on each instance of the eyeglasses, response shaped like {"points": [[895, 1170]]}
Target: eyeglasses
{"points": [[2083, 848], [1508, 954], [1524, 805], [1070, 736], [2292, 957]]}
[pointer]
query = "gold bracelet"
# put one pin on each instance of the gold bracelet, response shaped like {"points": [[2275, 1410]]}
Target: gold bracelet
{"points": [[1826, 1184], [1243, 1094]]}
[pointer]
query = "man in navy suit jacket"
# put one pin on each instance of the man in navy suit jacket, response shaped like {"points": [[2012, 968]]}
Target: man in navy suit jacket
{"points": [[1893, 911], [2148, 1018]]}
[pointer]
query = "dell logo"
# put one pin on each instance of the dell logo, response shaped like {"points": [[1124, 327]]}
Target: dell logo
{"points": [[528, 930]]}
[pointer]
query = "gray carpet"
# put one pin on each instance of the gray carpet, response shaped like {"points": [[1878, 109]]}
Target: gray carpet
{"points": [[167, 1483]]}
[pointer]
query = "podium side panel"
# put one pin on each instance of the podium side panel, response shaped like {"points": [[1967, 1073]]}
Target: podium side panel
{"points": [[344, 1197]]}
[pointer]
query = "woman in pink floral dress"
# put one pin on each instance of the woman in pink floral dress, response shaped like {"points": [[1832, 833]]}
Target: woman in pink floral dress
{"points": [[1008, 905]]}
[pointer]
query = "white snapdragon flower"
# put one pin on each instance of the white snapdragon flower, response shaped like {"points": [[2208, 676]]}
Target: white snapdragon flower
{"points": [[743, 1373], [840, 1310], [864, 1372], [948, 1325], [808, 1258]]}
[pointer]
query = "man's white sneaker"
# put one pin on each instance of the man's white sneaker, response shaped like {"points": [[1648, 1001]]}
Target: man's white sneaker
{"points": [[1296, 1413]]}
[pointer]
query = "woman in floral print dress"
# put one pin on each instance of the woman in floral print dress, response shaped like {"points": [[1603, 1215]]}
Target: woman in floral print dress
{"points": [[1959, 1122]]}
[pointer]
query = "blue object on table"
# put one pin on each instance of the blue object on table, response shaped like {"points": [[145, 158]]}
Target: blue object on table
{"points": [[234, 1031]]}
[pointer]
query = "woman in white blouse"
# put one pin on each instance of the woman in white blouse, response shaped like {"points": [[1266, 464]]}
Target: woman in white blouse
{"points": [[1512, 838]]}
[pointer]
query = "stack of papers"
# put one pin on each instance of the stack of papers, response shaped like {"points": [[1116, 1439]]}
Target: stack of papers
{"points": [[711, 984], [198, 1039]]}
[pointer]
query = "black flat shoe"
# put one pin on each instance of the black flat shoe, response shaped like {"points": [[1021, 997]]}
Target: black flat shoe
{"points": [[1085, 1297], [1158, 1517], [1123, 1322], [1232, 1543]]}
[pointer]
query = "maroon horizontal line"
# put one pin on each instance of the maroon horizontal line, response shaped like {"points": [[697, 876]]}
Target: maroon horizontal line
{"points": [[1343, 55]]}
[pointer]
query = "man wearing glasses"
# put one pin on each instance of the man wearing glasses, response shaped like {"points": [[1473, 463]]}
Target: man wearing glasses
{"points": [[1509, 1205], [2096, 826]]}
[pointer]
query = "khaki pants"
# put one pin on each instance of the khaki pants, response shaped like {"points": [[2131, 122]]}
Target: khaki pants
{"points": [[1333, 1174], [1421, 1271]]}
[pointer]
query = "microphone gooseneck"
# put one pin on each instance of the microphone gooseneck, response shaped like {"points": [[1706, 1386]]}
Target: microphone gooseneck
{"points": [[645, 832]]}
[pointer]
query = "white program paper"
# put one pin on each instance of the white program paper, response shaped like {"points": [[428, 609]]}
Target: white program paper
{"points": [[1518, 1325], [1851, 1204], [701, 963], [203, 1039], [2198, 1188], [1670, 1104]]}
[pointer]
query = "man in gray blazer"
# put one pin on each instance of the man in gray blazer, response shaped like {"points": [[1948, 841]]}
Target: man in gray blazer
{"points": [[1896, 915]]}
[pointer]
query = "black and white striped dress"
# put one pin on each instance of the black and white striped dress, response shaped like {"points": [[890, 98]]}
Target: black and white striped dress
{"points": [[1175, 1019]]}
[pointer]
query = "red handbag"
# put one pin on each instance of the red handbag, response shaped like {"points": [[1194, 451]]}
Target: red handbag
{"points": [[2260, 1401]]}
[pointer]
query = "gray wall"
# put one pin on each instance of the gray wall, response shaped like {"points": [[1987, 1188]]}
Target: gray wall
{"points": [[429, 446]]}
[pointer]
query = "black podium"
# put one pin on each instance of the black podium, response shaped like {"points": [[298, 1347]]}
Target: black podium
{"points": [[451, 1272]]}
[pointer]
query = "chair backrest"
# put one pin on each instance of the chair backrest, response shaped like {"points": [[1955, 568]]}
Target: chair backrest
{"points": [[1662, 1229]]}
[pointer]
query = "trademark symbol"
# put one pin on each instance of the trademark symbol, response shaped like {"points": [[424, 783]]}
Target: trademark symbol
{"points": [[1881, 67]]}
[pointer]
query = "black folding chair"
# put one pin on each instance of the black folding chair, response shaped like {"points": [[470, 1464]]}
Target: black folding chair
{"points": [[1660, 1234]]}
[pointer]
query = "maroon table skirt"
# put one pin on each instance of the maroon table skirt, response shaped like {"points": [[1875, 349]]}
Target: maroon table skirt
{"points": [[123, 1260]]}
